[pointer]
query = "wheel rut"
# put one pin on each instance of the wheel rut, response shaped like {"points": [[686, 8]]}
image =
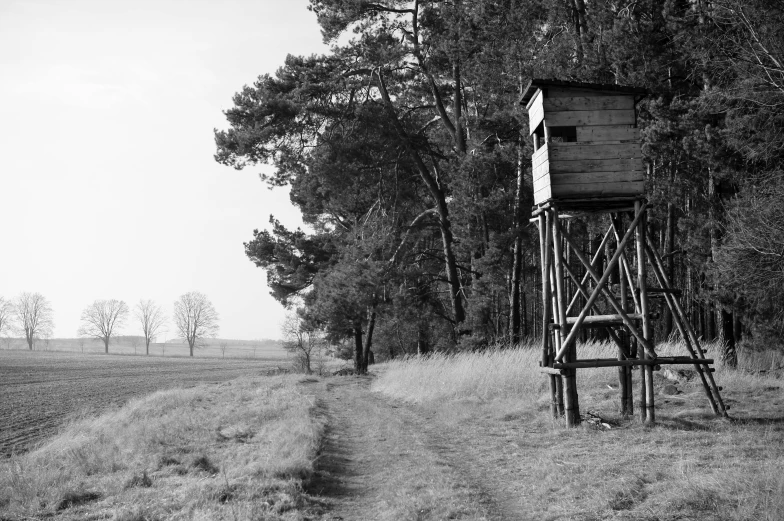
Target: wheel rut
{"points": [[383, 460]]}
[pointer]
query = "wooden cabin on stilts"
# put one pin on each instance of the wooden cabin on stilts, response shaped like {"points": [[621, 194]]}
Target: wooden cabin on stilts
{"points": [[587, 160]]}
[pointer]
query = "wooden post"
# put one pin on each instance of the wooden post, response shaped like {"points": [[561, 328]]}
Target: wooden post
{"points": [[572, 410], [545, 238], [623, 383], [650, 415], [556, 336]]}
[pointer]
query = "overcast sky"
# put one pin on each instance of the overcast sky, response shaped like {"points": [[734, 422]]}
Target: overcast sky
{"points": [[108, 187]]}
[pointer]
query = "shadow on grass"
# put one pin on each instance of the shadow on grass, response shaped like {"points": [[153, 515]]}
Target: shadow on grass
{"points": [[758, 421], [334, 461]]}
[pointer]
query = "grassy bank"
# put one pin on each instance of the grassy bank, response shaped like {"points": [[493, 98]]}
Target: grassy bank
{"points": [[236, 450], [692, 465]]}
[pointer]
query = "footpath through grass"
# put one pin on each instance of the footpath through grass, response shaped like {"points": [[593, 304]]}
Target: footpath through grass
{"points": [[692, 465], [236, 450]]}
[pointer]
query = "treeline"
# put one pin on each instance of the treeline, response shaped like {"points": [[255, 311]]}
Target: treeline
{"points": [[31, 315], [406, 151]]}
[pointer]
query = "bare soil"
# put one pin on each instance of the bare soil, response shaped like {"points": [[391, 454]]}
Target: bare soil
{"points": [[41, 391]]}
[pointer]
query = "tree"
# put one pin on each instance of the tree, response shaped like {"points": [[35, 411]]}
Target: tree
{"points": [[34, 317], [195, 318], [152, 320], [301, 339], [101, 318], [223, 345], [6, 314]]}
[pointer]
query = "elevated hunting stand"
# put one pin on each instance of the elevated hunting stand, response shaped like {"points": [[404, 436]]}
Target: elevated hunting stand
{"points": [[586, 161]]}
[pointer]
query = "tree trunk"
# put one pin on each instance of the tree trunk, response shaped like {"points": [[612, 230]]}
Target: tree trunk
{"points": [[710, 321], [737, 328], [437, 192], [106, 346], [669, 246], [730, 355], [423, 347], [147, 347], [517, 263], [358, 355], [368, 339], [190, 346]]}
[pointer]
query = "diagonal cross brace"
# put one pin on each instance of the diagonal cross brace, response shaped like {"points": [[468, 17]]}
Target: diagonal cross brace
{"points": [[596, 257], [585, 295], [628, 272], [601, 283]]}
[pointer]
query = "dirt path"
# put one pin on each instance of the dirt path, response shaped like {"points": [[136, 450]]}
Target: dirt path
{"points": [[385, 460]]}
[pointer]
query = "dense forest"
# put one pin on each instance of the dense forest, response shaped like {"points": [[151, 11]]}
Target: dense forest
{"points": [[407, 151]]}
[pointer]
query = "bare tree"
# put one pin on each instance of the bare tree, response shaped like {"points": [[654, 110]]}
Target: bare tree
{"points": [[152, 320], [6, 313], [301, 340], [223, 345], [195, 318], [82, 341], [34, 316], [100, 319]]}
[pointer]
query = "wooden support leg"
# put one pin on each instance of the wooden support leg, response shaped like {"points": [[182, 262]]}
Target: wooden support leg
{"points": [[545, 239], [642, 286], [570, 382], [629, 375], [556, 338], [623, 383], [643, 390]]}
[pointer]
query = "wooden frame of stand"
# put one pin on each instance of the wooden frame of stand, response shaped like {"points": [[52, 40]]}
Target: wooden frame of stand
{"points": [[632, 311]]}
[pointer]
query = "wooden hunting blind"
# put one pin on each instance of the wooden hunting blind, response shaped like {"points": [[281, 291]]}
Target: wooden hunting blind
{"points": [[590, 140], [587, 160]]}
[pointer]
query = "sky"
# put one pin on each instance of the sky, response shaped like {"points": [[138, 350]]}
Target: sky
{"points": [[108, 186]]}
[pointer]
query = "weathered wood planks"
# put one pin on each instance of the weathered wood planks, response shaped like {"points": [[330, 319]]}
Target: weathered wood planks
{"points": [[608, 133], [597, 155], [580, 118], [535, 112], [577, 103], [590, 151]]}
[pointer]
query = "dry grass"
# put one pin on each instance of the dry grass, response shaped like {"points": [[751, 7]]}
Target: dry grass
{"points": [[236, 450], [692, 465]]}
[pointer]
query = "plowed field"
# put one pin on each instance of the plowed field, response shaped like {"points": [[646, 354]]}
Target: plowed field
{"points": [[40, 391]]}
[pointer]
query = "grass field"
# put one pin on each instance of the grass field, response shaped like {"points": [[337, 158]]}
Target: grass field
{"points": [[691, 465], [43, 390], [234, 450]]}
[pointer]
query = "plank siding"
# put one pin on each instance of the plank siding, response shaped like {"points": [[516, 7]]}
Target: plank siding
{"points": [[539, 171], [568, 191], [608, 133], [581, 118], [558, 180], [540, 156], [541, 183], [542, 195], [535, 112], [559, 166], [584, 151], [588, 103]]}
